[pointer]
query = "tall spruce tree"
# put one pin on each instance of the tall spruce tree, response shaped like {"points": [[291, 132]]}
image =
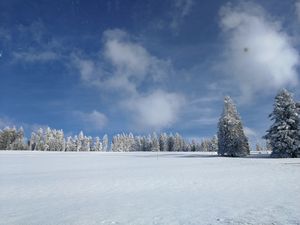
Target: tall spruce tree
{"points": [[283, 135], [232, 140]]}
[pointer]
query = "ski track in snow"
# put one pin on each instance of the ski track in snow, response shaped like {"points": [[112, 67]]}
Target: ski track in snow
{"points": [[57, 188]]}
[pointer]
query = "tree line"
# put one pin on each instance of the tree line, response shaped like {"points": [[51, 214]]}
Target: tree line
{"points": [[283, 137], [53, 140]]}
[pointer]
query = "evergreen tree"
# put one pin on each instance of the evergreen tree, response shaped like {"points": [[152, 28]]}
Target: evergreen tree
{"points": [[193, 146], [79, 140], [18, 143], [283, 135], [69, 144], [130, 143], [137, 144], [105, 143], [39, 140], [163, 142], [214, 144], [179, 144], [145, 144], [154, 143], [231, 138], [32, 141], [204, 145], [97, 147], [12, 139]]}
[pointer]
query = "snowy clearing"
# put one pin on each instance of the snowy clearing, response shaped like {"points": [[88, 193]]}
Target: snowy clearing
{"points": [[56, 188]]}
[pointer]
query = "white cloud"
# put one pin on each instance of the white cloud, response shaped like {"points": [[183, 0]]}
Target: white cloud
{"points": [[39, 45], [297, 6], [89, 70], [125, 64], [258, 53], [129, 58], [94, 120], [156, 110]]}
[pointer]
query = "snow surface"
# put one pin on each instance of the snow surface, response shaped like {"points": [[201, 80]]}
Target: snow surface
{"points": [[57, 188]]}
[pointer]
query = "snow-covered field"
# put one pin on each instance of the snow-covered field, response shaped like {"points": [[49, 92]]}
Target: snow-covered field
{"points": [[43, 188]]}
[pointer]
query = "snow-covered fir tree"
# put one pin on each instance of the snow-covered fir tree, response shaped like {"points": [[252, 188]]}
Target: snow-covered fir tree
{"points": [[137, 144], [116, 145], [209, 144], [12, 139], [97, 147], [47, 140], [7, 137], [32, 141], [55, 140], [79, 141], [163, 142], [18, 143], [105, 143], [145, 144], [171, 142], [39, 140], [86, 144], [214, 144], [69, 144], [74, 143], [283, 135], [123, 143], [129, 142], [178, 143], [83, 143], [193, 146], [205, 145], [232, 140], [155, 143]]}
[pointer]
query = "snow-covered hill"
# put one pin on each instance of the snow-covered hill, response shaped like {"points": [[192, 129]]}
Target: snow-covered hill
{"points": [[55, 188]]}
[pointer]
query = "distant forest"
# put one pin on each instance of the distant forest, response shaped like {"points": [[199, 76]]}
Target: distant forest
{"points": [[282, 138]]}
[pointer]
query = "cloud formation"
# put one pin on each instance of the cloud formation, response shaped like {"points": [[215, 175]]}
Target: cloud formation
{"points": [[258, 53], [156, 110], [93, 120], [38, 44], [124, 64], [124, 67]]}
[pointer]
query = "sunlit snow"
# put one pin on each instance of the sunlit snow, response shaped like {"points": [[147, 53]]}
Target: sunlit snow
{"points": [[140, 188]]}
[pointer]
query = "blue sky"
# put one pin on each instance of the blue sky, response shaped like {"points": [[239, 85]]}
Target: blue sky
{"points": [[119, 66]]}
